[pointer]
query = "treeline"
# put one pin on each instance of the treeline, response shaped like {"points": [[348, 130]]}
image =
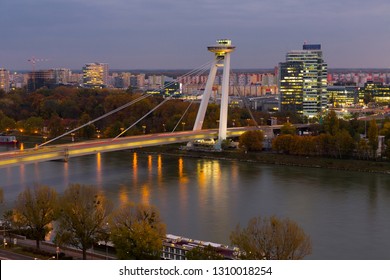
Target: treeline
{"points": [[62, 109], [83, 216], [334, 140]]}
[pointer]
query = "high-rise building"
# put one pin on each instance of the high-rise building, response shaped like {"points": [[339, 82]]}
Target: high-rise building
{"points": [[291, 86], [39, 79], [314, 79], [95, 75], [4, 80], [62, 75]]}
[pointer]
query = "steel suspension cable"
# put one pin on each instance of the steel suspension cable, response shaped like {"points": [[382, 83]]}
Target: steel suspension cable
{"points": [[119, 108], [147, 114]]}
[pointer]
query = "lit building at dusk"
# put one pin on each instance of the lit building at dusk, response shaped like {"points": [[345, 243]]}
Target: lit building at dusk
{"points": [[291, 86], [4, 80], [95, 75], [342, 96], [313, 83], [374, 92]]}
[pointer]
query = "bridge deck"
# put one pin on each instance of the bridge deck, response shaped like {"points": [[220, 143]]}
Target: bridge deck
{"points": [[65, 151]]}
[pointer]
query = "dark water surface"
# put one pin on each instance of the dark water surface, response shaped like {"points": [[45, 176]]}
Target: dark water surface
{"points": [[347, 214]]}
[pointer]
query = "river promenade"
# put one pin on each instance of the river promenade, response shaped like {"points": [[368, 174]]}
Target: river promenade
{"points": [[53, 250]]}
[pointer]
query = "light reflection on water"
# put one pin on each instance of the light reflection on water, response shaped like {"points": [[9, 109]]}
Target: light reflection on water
{"points": [[345, 213]]}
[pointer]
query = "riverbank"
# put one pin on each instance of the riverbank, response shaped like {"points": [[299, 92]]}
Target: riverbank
{"points": [[278, 159], [264, 157]]}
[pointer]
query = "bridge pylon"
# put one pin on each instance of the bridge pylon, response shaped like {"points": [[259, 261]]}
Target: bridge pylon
{"points": [[222, 52]]}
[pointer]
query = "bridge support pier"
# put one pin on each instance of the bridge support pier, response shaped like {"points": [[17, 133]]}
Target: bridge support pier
{"points": [[222, 59]]}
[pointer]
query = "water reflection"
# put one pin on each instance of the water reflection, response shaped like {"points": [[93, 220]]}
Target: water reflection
{"points": [[159, 170], [145, 194], [183, 179], [66, 173], [99, 180], [135, 169], [345, 213], [123, 195], [22, 174]]}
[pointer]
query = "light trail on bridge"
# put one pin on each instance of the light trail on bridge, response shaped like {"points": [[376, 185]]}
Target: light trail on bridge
{"points": [[66, 151]]}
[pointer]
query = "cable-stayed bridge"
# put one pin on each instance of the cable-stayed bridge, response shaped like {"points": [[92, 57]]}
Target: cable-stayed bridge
{"points": [[66, 151], [222, 51]]}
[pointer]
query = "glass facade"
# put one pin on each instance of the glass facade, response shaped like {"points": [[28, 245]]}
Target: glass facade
{"points": [[314, 79], [291, 86], [342, 96]]}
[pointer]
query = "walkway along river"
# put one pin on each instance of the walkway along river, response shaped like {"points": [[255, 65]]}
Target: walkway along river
{"points": [[347, 214]]}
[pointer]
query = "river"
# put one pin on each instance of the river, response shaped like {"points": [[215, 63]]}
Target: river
{"points": [[346, 214]]}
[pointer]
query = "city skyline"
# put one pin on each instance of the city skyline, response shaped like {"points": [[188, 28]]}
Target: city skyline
{"points": [[174, 34]]}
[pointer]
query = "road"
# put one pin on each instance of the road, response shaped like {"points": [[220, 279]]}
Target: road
{"points": [[7, 255]]}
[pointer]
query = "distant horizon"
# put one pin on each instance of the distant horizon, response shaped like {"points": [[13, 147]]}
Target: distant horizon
{"points": [[265, 70]]}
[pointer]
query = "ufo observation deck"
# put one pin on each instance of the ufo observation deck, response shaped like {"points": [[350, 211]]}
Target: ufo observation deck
{"points": [[223, 47]]}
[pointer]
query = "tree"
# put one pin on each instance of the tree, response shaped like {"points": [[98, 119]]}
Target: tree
{"points": [[204, 253], [373, 137], [36, 210], [6, 123], [34, 125], [283, 143], [252, 140], [55, 125], [83, 214], [344, 143], [89, 130], [385, 131], [272, 239], [137, 232], [331, 123], [288, 128]]}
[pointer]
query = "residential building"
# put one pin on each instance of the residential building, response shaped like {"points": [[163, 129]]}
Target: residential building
{"points": [[62, 76], [95, 75], [4, 80]]}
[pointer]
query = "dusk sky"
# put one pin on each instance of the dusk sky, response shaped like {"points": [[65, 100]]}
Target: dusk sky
{"points": [[173, 34]]}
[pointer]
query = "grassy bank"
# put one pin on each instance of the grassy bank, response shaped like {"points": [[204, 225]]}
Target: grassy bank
{"points": [[272, 158]]}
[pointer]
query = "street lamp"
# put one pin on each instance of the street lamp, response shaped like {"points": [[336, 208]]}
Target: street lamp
{"points": [[164, 127], [233, 122], [44, 138], [144, 128], [72, 136], [57, 251], [183, 124]]}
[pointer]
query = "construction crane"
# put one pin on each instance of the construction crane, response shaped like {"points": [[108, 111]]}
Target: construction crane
{"points": [[33, 61]]}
